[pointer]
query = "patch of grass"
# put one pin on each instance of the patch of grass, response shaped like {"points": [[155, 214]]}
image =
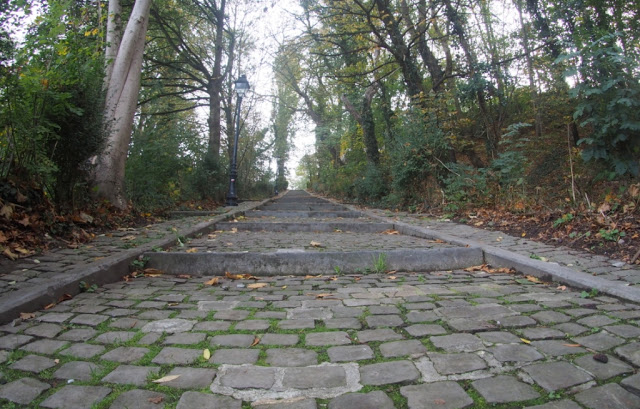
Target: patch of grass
{"points": [[379, 264]]}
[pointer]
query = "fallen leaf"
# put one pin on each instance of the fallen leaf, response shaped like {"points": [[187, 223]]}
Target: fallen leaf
{"points": [[9, 254], [526, 341], [324, 295], [212, 236], [128, 238], [213, 281], [167, 378], [65, 297], [49, 306], [240, 276], [257, 285], [156, 400], [392, 277], [192, 250], [25, 222], [206, 354], [255, 342], [572, 345], [307, 277], [391, 231], [152, 272], [315, 244], [392, 272], [234, 230], [27, 316], [284, 287], [439, 401], [562, 288], [533, 279], [6, 211], [184, 276]]}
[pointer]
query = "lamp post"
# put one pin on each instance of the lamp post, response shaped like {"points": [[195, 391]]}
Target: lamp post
{"points": [[241, 86]]}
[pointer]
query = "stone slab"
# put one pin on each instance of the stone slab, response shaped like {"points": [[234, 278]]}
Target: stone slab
{"points": [[441, 395], [76, 397]]}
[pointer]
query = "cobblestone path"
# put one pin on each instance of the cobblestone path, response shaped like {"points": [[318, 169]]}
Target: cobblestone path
{"points": [[451, 338]]}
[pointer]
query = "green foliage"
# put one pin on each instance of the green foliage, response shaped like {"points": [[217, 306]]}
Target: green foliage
{"points": [[372, 186], [612, 234], [608, 102], [566, 218], [51, 102], [380, 264], [465, 184]]}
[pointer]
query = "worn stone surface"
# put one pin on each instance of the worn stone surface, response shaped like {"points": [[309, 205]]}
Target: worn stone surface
{"points": [[504, 389], [190, 400], [314, 377], [388, 373], [375, 399], [553, 376], [130, 374], [139, 399], [610, 396], [350, 353], [446, 395], [23, 390], [76, 397]]}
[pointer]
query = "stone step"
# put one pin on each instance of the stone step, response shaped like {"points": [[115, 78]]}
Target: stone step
{"points": [[306, 227], [300, 262], [303, 213], [302, 206]]}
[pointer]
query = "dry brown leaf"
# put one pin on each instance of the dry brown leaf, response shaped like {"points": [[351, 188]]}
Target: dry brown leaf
{"points": [[192, 250], [25, 222], [316, 244], [128, 238], [255, 342], [64, 297], [167, 378], [392, 272], [156, 400], [152, 272], [6, 211], [3, 238], [240, 276], [324, 295], [533, 279], [7, 252], [27, 316], [234, 230], [257, 285], [49, 306], [391, 231], [392, 277], [562, 288], [213, 281], [212, 236], [307, 277], [572, 345], [184, 276]]}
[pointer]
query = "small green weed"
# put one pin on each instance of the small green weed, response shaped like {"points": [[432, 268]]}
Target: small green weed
{"points": [[612, 234], [590, 294], [86, 288], [566, 218], [379, 263]]}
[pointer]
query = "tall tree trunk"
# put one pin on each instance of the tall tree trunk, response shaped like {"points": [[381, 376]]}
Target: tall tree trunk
{"points": [[215, 85], [535, 98], [364, 118], [121, 103]]}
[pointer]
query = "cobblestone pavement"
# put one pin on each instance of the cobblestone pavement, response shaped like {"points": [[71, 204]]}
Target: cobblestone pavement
{"points": [[460, 338]]}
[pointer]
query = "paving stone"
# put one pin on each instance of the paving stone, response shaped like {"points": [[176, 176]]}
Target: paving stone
{"points": [[4, 356], [248, 377], [327, 338], [457, 342], [191, 400], [449, 364], [91, 320], [309, 313], [278, 315], [470, 324], [139, 399], [596, 321], [212, 326], [187, 338], [375, 399], [78, 334], [562, 404], [624, 330], [609, 396], [177, 356], [155, 315], [630, 352], [77, 370], [504, 389], [600, 370], [292, 403], [632, 384], [542, 333], [125, 354], [515, 353], [553, 376], [600, 341], [56, 317], [23, 391], [279, 339], [128, 323], [421, 316], [291, 357], [499, 337], [191, 378], [84, 351], [170, 326], [314, 377], [571, 328], [448, 395], [380, 321], [343, 323], [297, 324], [130, 375], [46, 330], [13, 341], [115, 337], [378, 335], [419, 306], [253, 325], [76, 397], [235, 356], [517, 321], [234, 340], [231, 315], [413, 348], [550, 317], [388, 373], [33, 363], [350, 353], [421, 330], [44, 346], [557, 348]]}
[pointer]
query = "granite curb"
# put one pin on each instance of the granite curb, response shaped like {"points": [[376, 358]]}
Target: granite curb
{"points": [[104, 271]]}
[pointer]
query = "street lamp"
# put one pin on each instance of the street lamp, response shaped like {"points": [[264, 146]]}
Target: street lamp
{"points": [[241, 86]]}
